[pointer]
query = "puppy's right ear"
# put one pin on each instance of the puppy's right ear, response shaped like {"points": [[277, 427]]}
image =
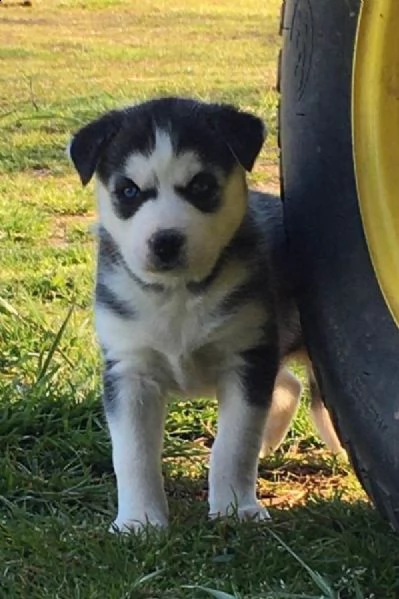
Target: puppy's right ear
{"points": [[88, 144]]}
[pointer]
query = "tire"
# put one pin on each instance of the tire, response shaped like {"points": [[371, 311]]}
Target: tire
{"points": [[352, 338]]}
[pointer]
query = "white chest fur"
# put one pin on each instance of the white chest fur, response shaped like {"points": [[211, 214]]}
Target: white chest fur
{"points": [[184, 341]]}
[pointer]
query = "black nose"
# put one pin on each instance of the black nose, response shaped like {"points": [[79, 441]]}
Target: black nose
{"points": [[166, 248]]}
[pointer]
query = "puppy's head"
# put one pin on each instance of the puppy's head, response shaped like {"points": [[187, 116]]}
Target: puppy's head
{"points": [[170, 182]]}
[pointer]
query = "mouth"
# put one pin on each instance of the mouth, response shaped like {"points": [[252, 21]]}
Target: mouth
{"points": [[146, 285], [158, 277], [159, 283], [175, 267]]}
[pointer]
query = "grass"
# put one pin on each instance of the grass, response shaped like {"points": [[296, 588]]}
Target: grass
{"points": [[63, 62]]}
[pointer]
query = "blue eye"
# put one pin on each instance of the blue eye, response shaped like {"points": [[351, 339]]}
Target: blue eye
{"points": [[126, 189], [130, 191]]}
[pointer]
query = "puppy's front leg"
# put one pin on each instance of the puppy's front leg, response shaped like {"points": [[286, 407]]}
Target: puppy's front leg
{"points": [[135, 412], [243, 403]]}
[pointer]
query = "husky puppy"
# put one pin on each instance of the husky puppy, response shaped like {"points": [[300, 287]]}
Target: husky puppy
{"points": [[192, 296]]}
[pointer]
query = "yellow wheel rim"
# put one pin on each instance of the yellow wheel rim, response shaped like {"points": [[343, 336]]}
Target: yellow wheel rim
{"points": [[375, 119]]}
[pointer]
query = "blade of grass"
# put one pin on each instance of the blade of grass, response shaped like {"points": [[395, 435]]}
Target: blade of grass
{"points": [[212, 592], [317, 578], [7, 308], [53, 348], [147, 577]]}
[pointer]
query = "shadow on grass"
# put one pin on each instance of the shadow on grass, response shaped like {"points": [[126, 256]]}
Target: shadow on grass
{"points": [[57, 497]]}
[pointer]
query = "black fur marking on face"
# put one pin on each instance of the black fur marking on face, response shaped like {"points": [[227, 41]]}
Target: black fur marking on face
{"points": [[220, 135], [202, 192], [128, 197], [136, 135], [107, 298]]}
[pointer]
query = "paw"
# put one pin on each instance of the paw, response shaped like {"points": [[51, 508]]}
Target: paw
{"points": [[255, 512], [135, 525], [252, 511]]}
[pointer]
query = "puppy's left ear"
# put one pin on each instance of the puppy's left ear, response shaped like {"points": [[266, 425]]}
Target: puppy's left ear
{"points": [[243, 132]]}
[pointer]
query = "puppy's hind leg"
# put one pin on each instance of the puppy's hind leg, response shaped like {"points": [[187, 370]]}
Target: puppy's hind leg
{"points": [[285, 400], [321, 417]]}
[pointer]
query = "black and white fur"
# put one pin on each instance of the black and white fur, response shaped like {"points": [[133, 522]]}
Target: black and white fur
{"points": [[192, 296]]}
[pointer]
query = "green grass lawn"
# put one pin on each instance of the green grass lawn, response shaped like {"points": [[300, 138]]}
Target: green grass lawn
{"points": [[61, 63]]}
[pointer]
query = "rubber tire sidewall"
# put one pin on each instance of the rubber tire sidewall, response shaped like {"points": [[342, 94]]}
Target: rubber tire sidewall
{"points": [[352, 339]]}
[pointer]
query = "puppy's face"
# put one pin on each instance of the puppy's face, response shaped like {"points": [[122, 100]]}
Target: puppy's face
{"points": [[170, 182]]}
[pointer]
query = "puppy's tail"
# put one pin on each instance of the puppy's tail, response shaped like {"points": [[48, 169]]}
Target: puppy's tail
{"points": [[322, 419], [284, 404]]}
